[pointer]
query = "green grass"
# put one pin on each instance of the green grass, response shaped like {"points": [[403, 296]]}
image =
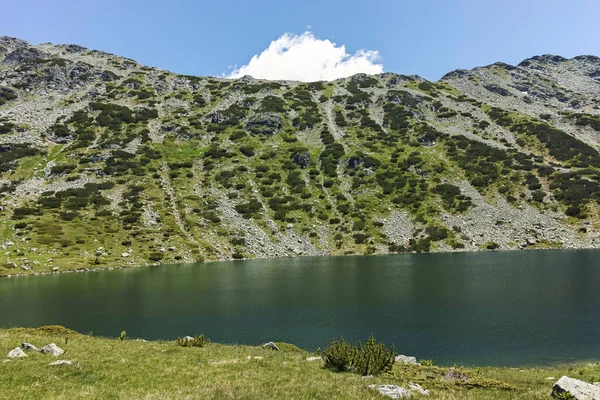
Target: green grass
{"points": [[113, 369]]}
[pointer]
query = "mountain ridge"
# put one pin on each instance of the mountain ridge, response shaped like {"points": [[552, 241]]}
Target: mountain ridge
{"points": [[105, 162]]}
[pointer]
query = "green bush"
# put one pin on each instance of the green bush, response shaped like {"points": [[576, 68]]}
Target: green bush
{"points": [[155, 256], [370, 358], [339, 355]]}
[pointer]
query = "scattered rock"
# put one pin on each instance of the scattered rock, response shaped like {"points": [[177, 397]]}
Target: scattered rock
{"points": [[392, 391], [271, 346], [29, 346], [54, 269], [52, 349], [188, 339], [61, 362], [314, 359], [254, 358], [402, 359], [415, 387], [16, 353], [578, 389], [265, 124]]}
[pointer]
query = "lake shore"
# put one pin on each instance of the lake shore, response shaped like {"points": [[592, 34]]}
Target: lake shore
{"points": [[135, 369], [119, 265]]}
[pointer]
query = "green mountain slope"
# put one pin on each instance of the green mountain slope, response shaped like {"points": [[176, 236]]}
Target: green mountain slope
{"points": [[107, 163]]}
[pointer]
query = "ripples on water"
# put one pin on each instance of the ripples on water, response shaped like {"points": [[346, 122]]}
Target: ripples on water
{"points": [[497, 308]]}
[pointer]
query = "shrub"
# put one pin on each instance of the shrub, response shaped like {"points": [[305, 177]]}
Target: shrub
{"points": [[156, 256], [370, 358], [198, 341], [373, 358], [339, 355]]}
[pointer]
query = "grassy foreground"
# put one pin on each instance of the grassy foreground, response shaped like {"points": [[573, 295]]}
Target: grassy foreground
{"points": [[132, 369]]}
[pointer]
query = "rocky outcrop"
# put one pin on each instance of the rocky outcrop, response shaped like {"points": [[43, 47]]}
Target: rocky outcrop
{"points": [[265, 124]]}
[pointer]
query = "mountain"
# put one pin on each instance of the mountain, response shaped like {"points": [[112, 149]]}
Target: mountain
{"points": [[108, 163]]}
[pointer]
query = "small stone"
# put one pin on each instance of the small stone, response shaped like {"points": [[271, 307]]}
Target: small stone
{"points": [[313, 359], [124, 255], [415, 387], [29, 346], [16, 353], [392, 391], [54, 269], [52, 349], [271, 346], [61, 362]]}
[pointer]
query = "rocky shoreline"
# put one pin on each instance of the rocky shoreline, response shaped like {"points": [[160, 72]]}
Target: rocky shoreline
{"points": [[121, 267]]}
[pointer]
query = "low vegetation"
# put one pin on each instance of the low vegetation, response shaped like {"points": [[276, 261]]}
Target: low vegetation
{"points": [[135, 369]]}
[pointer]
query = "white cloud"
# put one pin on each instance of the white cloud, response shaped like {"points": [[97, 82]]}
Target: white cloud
{"points": [[308, 59]]}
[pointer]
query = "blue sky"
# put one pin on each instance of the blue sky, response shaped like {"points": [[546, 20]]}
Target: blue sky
{"points": [[422, 37]]}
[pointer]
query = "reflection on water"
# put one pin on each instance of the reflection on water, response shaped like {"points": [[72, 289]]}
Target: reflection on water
{"points": [[470, 308]]}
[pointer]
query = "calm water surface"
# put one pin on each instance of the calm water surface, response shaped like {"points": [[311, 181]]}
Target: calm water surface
{"points": [[500, 308]]}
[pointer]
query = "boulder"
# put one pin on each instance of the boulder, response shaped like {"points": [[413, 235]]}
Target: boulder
{"points": [[402, 359], [265, 124], [16, 353], [29, 346], [188, 339], [271, 346], [61, 362], [578, 389], [392, 391], [52, 349]]}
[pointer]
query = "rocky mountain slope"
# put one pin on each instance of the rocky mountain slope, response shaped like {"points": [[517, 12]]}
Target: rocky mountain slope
{"points": [[107, 163]]}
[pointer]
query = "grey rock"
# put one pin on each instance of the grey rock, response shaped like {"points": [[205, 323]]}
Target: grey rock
{"points": [[270, 345], [265, 124], [392, 391], [52, 349], [402, 359], [16, 353], [29, 346], [61, 362], [415, 387], [578, 389]]}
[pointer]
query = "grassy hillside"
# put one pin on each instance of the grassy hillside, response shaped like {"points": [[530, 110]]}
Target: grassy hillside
{"points": [[132, 369], [107, 163]]}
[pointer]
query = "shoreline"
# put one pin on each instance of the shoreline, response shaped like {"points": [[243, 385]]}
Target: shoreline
{"points": [[120, 267], [66, 331], [86, 366]]}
